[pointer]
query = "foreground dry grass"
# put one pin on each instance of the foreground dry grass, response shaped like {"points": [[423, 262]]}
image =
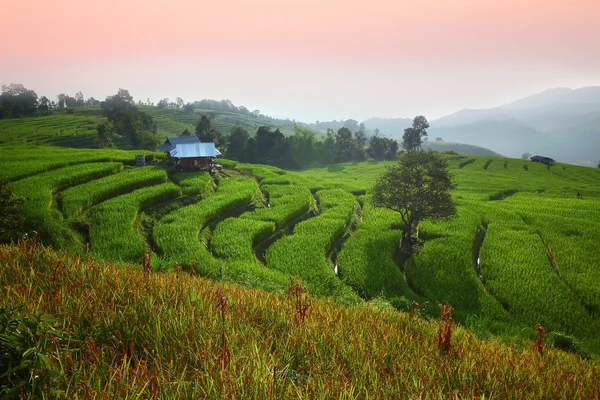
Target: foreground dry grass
{"points": [[74, 328]]}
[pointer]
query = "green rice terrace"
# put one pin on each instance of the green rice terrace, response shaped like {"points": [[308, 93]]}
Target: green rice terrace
{"points": [[77, 127], [521, 250]]}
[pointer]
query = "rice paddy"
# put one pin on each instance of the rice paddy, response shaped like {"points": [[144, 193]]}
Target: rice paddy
{"points": [[522, 248]]}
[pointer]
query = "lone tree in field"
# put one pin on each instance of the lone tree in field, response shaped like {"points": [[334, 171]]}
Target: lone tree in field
{"points": [[413, 136], [418, 188]]}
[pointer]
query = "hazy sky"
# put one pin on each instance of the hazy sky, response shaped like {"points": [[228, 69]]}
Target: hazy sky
{"points": [[305, 59]]}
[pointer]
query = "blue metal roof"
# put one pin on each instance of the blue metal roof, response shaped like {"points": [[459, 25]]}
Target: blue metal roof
{"points": [[172, 141], [189, 150]]}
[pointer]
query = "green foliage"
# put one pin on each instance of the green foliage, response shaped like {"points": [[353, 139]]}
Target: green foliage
{"points": [[176, 234], [234, 238], [418, 187], [159, 335], [382, 148], [348, 147], [194, 183], [79, 198], [38, 191], [18, 162], [366, 261], [11, 214], [26, 366], [105, 131], [17, 101], [129, 121], [236, 144], [305, 253], [413, 136], [112, 234]]}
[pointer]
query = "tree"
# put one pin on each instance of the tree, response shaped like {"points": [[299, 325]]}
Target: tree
{"points": [[129, 121], [44, 104], [188, 108], [382, 148], [413, 136], [302, 146], [179, 102], [105, 131], [204, 129], [124, 95], [271, 147], [186, 132], [526, 155], [163, 103], [418, 187], [79, 99], [237, 144], [439, 139], [145, 140], [17, 101]]}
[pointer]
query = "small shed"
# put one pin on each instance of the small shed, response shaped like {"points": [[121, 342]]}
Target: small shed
{"points": [[542, 159], [173, 141], [195, 156]]}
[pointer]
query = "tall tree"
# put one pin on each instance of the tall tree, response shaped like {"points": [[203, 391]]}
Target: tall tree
{"points": [[413, 136], [17, 101], [188, 108], [418, 187], [344, 145], [237, 144], [204, 129], [105, 131], [163, 103], [128, 120], [302, 146], [79, 98]]}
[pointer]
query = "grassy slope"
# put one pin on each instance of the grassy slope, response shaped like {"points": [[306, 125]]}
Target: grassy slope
{"points": [[566, 300], [78, 130], [117, 332]]}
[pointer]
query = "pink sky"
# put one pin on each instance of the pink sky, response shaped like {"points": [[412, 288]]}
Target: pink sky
{"points": [[307, 59]]}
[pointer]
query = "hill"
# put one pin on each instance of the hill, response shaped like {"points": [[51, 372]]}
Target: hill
{"points": [[520, 251], [76, 127], [459, 148], [562, 123], [120, 331]]}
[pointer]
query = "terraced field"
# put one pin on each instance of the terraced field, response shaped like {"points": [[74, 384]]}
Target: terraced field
{"points": [[518, 252]]}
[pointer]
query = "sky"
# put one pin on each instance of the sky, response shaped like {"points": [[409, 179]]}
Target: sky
{"points": [[305, 59]]}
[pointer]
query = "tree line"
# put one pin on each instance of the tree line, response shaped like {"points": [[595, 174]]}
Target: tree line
{"points": [[17, 101], [303, 148]]}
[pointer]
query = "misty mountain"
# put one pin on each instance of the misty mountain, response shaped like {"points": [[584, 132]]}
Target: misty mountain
{"points": [[389, 127], [560, 123]]}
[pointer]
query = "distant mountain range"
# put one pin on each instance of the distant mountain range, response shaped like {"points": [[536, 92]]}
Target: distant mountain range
{"points": [[560, 123]]}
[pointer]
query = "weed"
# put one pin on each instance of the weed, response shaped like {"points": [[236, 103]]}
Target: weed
{"points": [[146, 259], [222, 305], [539, 342], [302, 302], [445, 328]]}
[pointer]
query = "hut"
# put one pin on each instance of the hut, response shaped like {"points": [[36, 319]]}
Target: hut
{"points": [[195, 156], [542, 159]]}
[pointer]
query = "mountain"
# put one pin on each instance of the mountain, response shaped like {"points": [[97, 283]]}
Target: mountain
{"points": [[560, 123]]}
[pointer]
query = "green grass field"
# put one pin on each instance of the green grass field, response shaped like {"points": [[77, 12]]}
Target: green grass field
{"points": [[97, 330], [518, 252]]}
